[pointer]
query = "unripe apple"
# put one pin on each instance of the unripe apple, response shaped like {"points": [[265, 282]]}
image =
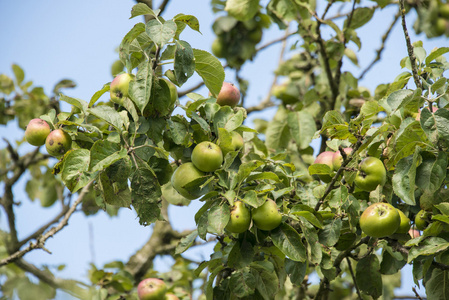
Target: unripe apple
{"points": [[371, 173], [58, 142], [325, 158], [422, 219], [441, 26], [404, 227], [36, 132], [185, 174], [218, 48], [173, 92], [237, 141], [337, 159], [267, 217], [240, 218], [207, 156], [151, 289], [119, 88], [171, 296], [443, 11], [229, 95], [380, 220]]}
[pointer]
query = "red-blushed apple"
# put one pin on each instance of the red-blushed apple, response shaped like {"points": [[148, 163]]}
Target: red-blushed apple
{"points": [[325, 158], [267, 217], [151, 289], [58, 142], [371, 173], [36, 132], [240, 218], [119, 88], [229, 95], [404, 227], [170, 296], [414, 233], [380, 220], [207, 156], [337, 159]]}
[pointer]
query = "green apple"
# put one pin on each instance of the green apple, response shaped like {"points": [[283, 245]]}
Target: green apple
{"points": [[240, 218], [36, 132], [185, 174], [422, 219], [267, 217], [325, 158], [119, 88], [173, 92], [229, 95], [380, 220], [237, 140], [151, 289], [337, 159], [58, 142], [444, 11], [441, 26], [404, 227], [371, 173], [218, 48], [207, 156]]}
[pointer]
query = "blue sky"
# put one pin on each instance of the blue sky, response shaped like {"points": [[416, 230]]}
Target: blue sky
{"points": [[52, 40]]}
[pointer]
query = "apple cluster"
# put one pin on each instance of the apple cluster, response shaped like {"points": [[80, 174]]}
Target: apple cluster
{"points": [[57, 142], [154, 289], [206, 156], [382, 220], [265, 217], [371, 171]]}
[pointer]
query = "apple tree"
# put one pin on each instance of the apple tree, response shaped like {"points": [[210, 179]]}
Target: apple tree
{"points": [[277, 215]]}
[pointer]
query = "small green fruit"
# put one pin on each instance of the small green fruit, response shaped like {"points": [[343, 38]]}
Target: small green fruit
{"points": [[267, 217], [119, 88], [371, 174], [207, 156], [380, 220], [185, 174], [240, 218], [404, 227]]}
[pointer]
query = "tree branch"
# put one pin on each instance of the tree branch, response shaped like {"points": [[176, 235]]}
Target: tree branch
{"points": [[40, 240], [411, 53]]}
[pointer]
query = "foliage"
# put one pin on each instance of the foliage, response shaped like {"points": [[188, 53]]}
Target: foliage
{"points": [[124, 156]]}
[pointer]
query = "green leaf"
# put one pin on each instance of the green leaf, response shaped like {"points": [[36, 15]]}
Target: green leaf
{"points": [[109, 115], [277, 135], [74, 171], [242, 10], [436, 125], [368, 276], [244, 170], [360, 17], [267, 282], [162, 168], [146, 194], [296, 271], [160, 100], [431, 173], [404, 178], [235, 121], [104, 153], [435, 54], [143, 9], [186, 242], [429, 246], [310, 217], [330, 235], [184, 62], [78, 103], [210, 70], [241, 255], [286, 239], [436, 283], [18, 73], [218, 218], [140, 88], [98, 94], [159, 33], [138, 29], [302, 128], [64, 83], [113, 192], [243, 283], [190, 20]]}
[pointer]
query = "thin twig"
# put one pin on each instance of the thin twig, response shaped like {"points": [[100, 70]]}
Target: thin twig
{"points": [[411, 53], [348, 260], [40, 241]]}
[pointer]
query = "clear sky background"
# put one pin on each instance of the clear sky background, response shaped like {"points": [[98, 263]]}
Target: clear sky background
{"points": [[52, 40]]}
